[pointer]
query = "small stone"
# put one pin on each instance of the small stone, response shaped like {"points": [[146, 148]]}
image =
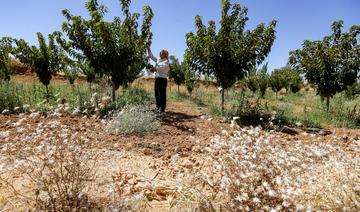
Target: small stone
{"points": [[236, 118], [188, 165], [76, 111], [298, 124], [325, 132], [183, 154], [34, 115], [289, 131], [224, 132], [147, 152], [5, 112]]}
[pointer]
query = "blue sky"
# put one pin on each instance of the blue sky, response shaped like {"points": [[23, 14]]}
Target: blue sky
{"points": [[297, 20]]}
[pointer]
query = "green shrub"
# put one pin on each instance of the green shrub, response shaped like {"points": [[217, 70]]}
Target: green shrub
{"points": [[176, 72], [35, 97], [179, 96], [278, 80], [286, 117], [131, 96], [215, 110], [248, 113], [259, 80], [133, 119], [135, 96], [263, 80], [353, 91], [296, 82], [77, 97], [190, 81], [252, 81], [9, 98], [71, 73], [5, 50], [343, 114]]}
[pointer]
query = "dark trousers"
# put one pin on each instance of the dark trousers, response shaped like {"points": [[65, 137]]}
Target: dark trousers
{"points": [[160, 93]]}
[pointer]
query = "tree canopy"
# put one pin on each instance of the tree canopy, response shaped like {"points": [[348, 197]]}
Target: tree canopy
{"points": [[5, 51], [190, 75], [232, 51], [114, 48], [278, 79], [331, 64], [176, 71], [45, 60], [263, 79]]}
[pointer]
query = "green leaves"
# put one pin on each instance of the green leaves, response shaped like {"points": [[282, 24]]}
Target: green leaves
{"points": [[263, 79], [176, 72], [231, 52], [45, 60], [259, 80], [5, 51], [88, 71], [251, 80], [278, 80], [331, 64], [114, 48], [287, 78]]}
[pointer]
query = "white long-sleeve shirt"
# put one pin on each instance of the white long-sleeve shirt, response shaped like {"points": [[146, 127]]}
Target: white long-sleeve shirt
{"points": [[162, 66]]}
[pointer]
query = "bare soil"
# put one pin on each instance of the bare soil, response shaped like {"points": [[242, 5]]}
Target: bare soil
{"points": [[184, 133]]}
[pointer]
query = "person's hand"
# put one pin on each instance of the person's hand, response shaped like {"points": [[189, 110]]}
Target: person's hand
{"points": [[151, 68]]}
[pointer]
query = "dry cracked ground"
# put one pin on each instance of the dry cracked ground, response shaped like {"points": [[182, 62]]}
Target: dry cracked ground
{"points": [[158, 165]]}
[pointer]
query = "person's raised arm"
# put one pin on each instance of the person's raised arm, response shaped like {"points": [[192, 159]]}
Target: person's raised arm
{"points": [[151, 56]]}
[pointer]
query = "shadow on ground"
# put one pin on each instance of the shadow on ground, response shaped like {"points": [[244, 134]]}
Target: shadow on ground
{"points": [[177, 120]]}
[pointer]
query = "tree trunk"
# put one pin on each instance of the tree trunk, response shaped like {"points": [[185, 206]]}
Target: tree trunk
{"points": [[327, 104], [178, 89], [47, 93], [276, 95], [222, 102], [113, 92]]}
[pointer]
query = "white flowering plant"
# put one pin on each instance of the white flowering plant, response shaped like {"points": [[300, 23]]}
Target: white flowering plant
{"points": [[56, 167], [256, 170]]}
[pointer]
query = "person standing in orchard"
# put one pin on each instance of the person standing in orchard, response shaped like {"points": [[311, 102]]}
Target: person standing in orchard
{"points": [[162, 68]]}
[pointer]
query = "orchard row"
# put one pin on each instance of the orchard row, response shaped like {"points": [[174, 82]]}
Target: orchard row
{"points": [[117, 49]]}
